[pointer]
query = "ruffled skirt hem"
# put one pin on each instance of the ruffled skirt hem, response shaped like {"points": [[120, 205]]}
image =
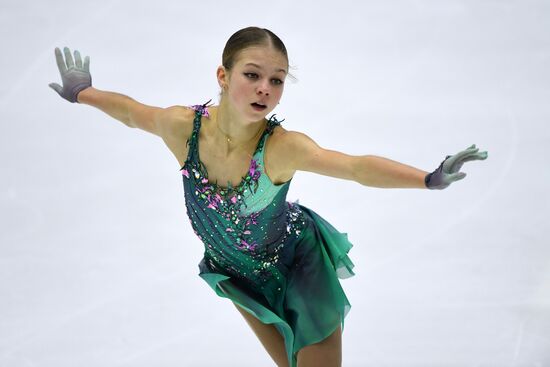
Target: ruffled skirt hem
{"points": [[314, 302]]}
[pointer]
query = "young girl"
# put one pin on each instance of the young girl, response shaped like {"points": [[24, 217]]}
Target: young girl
{"points": [[277, 261]]}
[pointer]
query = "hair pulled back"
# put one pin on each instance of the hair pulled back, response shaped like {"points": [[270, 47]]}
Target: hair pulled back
{"points": [[250, 37]]}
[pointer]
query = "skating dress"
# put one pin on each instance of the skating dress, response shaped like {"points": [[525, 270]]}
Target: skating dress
{"points": [[278, 260]]}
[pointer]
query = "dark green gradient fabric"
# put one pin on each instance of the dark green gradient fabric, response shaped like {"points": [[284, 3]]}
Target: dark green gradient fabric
{"points": [[278, 260]]}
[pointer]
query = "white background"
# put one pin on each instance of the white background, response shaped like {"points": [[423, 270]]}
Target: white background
{"points": [[98, 261]]}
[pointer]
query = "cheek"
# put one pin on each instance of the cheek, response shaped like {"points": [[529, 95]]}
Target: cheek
{"points": [[278, 92], [241, 91]]}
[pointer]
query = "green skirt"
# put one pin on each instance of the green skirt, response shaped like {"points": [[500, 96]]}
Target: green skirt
{"points": [[314, 303]]}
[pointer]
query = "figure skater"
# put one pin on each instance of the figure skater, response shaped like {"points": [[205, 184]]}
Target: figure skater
{"points": [[279, 262]]}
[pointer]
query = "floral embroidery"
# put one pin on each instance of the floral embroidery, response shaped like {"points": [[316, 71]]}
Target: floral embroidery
{"points": [[218, 197], [227, 201], [245, 244], [203, 109]]}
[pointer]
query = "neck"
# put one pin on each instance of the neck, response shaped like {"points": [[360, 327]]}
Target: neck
{"points": [[232, 131]]}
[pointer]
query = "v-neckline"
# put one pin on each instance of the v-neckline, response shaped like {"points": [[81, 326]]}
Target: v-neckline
{"points": [[230, 187]]}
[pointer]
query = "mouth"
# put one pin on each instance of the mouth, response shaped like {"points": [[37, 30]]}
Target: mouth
{"points": [[258, 106]]}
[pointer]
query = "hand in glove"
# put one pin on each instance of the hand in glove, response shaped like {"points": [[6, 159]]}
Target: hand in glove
{"points": [[448, 170], [74, 78]]}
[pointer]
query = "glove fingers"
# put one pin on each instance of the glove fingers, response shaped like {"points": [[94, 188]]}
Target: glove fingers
{"points": [[77, 59], [87, 64], [455, 162], [459, 162], [456, 167], [482, 156], [56, 87], [60, 62], [467, 152], [68, 58], [456, 176], [472, 156], [475, 156], [450, 164]]}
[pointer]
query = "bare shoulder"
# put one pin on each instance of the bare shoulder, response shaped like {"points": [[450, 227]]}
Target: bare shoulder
{"points": [[298, 152], [175, 121], [289, 143], [176, 126], [282, 149], [276, 141]]}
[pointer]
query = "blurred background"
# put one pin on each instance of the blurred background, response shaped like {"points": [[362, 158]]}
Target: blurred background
{"points": [[98, 261]]}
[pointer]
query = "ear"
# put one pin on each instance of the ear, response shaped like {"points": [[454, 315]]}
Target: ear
{"points": [[222, 76]]}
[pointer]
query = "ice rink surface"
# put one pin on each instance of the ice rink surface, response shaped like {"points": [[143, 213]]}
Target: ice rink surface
{"points": [[98, 262]]}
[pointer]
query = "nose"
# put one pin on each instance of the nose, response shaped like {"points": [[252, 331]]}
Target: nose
{"points": [[264, 89]]}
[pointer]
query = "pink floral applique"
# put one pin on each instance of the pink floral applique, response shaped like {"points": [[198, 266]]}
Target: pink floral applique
{"points": [[247, 246], [252, 219], [253, 170], [203, 109]]}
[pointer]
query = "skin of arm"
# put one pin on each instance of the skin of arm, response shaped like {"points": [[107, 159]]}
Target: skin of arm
{"points": [[77, 87], [371, 170], [163, 122], [302, 153], [112, 103]]}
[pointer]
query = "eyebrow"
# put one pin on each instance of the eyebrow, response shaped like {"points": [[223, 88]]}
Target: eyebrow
{"points": [[259, 67]]}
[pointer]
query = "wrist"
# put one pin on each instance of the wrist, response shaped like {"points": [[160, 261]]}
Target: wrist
{"points": [[85, 94], [427, 179]]}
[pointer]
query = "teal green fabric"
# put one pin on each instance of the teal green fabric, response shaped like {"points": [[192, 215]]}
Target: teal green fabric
{"points": [[278, 260]]}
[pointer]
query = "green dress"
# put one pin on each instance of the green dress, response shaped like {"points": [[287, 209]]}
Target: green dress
{"points": [[278, 260]]}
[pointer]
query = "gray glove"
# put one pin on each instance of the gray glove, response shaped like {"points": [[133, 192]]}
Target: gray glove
{"points": [[447, 172], [74, 78]]}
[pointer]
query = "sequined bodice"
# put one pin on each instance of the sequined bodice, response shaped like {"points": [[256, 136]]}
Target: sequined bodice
{"points": [[244, 228]]}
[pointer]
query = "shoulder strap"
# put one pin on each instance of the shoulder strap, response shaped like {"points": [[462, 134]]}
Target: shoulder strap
{"points": [[200, 110], [271, 123]]}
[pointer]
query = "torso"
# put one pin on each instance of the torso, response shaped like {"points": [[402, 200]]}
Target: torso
{"points": [[222, 168]]}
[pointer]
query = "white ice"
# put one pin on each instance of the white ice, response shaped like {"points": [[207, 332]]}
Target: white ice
{"points": [[98, 261]]}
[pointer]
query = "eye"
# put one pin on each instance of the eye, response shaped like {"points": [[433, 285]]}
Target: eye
{"points": [[277, 81], [251, 75]]}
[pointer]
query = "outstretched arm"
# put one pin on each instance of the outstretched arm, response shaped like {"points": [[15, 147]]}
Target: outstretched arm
{"points": [[372, 170], [123, 108], [302, 153], [77, 88]]}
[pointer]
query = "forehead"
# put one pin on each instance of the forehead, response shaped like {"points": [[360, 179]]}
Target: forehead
{"points": [[265, 57]]}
